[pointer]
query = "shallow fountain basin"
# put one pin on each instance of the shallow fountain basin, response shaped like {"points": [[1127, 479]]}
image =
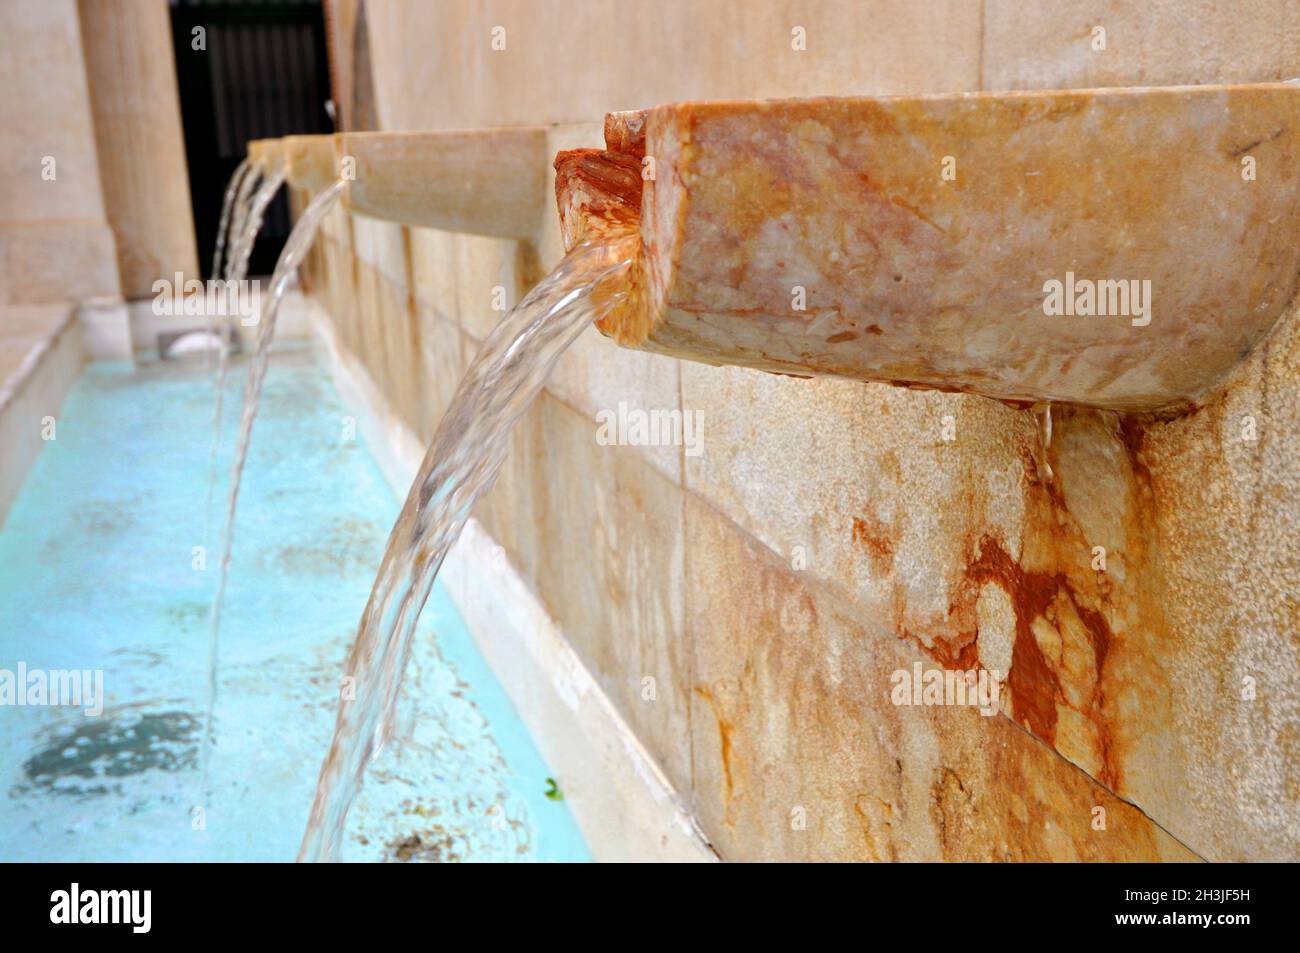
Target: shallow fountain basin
{"points": [[916, 240], [106, 596]]}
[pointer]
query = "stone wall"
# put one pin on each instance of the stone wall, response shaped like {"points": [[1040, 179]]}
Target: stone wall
{"points": [[55, 243], [95, 200], [746, 607]]}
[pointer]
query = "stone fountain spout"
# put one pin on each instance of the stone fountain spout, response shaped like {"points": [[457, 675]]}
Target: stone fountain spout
{"points": [[478, 181], [266, 153], [311, 161], [1118, 249]]}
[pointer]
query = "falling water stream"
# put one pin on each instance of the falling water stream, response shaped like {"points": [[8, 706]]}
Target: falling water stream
{"points": [[249, 210], [243, 234], [291, 256], [235, 196], [1043, 424], [243, 237], [240, 212], [233, 188], [460, 465]]}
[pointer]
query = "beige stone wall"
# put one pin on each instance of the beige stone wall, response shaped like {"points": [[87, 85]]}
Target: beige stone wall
{"points": [[570, 61], [141, 149], [829, 534], [54, 241]]}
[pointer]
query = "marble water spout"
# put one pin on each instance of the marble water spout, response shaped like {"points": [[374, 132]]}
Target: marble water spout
{"points": [[311, 162], [1119, 248], [266, 153], [480, 181]]}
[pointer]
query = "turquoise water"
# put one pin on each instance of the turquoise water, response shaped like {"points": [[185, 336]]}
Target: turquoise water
{"points": [[100, 571]]}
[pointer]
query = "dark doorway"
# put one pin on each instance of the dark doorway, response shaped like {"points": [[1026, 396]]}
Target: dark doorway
{"points": [[260, 71]]}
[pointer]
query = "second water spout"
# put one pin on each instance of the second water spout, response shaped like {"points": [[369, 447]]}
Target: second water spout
{"points": [[290, 257]]}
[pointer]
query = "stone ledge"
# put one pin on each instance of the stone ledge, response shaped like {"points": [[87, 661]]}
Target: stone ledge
{"points": [[33, 387]]}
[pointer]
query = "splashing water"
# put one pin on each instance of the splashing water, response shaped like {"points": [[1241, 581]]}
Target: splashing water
{"points": [[460, 465], [290, 257], [250, 208]]}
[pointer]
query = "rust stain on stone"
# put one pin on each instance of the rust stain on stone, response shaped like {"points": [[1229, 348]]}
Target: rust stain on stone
{"points": [[1033, 684], [725, 729], [1054, 589], [598, 194], [876, 540], [954, 810], [867, 825], [1067, 617], [597, 191]]}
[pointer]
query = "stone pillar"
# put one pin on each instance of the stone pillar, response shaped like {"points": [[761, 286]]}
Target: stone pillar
{"points": [[133, 98], [55, 243]]}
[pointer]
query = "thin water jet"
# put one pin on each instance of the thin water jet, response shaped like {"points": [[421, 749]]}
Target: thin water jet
{"points": [[291, 256], [1043, 425], [461, 464], [255, 175], [234, 228], [250, 209], [234, 188], [227, 204]]}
